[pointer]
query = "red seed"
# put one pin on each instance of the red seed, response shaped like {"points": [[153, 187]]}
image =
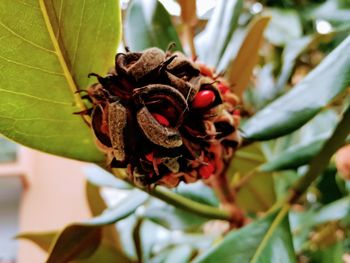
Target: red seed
{"points": [[223, 88], [161, 119], [237, 112], [206, 71], [203, 99], [205, 171], [149, 156]]}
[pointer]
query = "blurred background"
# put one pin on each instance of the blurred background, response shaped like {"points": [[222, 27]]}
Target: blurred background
{"points": [[40, 192]]}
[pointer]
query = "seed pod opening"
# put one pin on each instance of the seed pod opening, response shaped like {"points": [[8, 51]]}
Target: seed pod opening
{"points": [[164, 117]]}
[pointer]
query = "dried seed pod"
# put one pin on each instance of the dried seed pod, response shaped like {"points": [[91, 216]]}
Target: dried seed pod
{"points": [[161, 116], [157, 133], [117, 119], [136, 65]]}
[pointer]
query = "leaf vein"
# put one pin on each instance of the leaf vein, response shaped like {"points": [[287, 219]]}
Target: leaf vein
{"points": [[97, 34], [24, 39], [78, 36], [34, 97], [31, 67]]}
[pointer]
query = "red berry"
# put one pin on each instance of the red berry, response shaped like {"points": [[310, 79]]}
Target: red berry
{"points": [[206, 71], [206, 170], [237, 112], [161, 119], [203, 99], [223, 88], [149, 156]]}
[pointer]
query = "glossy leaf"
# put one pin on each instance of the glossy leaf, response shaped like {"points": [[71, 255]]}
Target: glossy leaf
{"points": [[255, 189], [290, 112], [198, 192], [285, 26], [45, 57], [75, 242], [212, 42], [102, 178], [173, 218], [241, 68], [294, 156], [333, 253], [260, 241], [97, 205], [81, 240], [104, 253], [331, 212], [148, 24], [292, 50], [179, 254]]}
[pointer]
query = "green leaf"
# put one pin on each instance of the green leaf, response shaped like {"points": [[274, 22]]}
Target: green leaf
{"points": [[100, 177], [179, 254], [148, 24], [80, 240], [173, 218], [292, 50], [331, 212], [105, 253], [294, 156], [265, 240], [97, 205], [198, 192], [333, 253], [241, 68], [290, 112], [321, 160], [41, 239], [331, 11], [255, 189], [212, 42], [284, 26], [75, 242], [45, 57]]}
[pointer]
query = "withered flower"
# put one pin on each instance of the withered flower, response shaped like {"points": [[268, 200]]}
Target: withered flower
{"points": [[164, 117]]}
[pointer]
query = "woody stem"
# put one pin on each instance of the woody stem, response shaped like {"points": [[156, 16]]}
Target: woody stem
{"points": [[227, 197]]}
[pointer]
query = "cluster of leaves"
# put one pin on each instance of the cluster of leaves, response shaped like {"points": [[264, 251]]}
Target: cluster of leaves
{"points": [[289, 143]]}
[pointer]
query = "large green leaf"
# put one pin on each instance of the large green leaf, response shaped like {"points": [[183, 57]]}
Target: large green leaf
{"points": [[212, 42], [80, 240], [255, 189], [173, 218], [304, 101], [294, 156], [45, 57], [148, 24], [265, 240], [102, 178], [285, 26], [198, 192]]}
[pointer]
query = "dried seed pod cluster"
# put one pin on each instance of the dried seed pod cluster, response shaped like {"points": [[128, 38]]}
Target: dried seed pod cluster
{"points": [[164, 117]]}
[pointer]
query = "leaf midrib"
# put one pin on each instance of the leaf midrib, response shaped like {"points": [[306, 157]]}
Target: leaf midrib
{"points": [[275, 223], [60, 56]]}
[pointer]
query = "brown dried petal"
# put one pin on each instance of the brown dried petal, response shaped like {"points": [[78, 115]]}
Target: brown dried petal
{"points": [[98, 121], [155, 132], [149, 61], [117, 118], [181, 66]]}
